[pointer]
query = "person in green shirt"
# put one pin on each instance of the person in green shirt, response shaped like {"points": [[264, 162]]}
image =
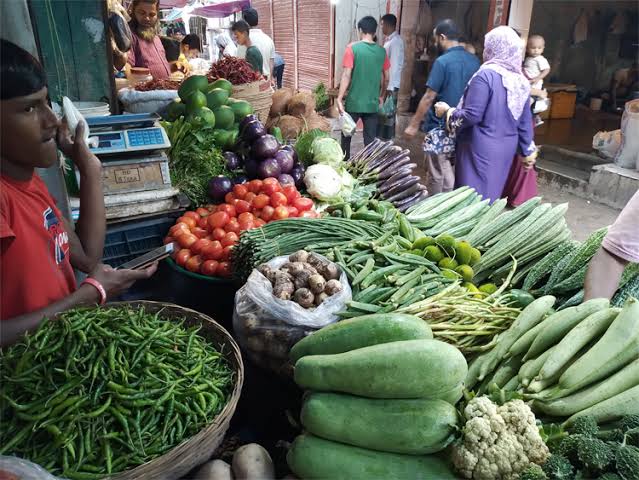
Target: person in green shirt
{"points": [[241, 30], [364, 80]]}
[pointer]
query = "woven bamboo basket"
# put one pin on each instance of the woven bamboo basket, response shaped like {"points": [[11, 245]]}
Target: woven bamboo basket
{"points": [[198, 449], [258, 94]]}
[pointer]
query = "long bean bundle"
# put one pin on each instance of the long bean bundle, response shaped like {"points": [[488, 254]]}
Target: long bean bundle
{"points": [[466, 320], [287, 236], [100, 391]]}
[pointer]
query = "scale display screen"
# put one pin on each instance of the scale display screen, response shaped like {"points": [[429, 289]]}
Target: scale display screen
{"points": [[131, 140]]}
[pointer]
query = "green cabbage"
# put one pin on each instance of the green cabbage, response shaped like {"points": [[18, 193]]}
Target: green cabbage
{"points": [[327, 151]]}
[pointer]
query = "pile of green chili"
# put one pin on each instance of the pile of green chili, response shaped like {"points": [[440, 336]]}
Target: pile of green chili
{"points": [[100, 391]]}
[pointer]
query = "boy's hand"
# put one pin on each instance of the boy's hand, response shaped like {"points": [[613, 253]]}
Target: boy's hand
{"points": [[76, 148], [116, 282]]}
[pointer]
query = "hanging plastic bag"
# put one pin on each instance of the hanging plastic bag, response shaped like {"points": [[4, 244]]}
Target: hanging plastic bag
{"points": [[346, 124], [267, 327], [14, 467], [388, 107], [74, 118]]}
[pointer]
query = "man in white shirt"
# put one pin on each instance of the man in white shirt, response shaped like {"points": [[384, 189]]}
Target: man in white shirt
{"points": [[259, 39], [394, 45]]}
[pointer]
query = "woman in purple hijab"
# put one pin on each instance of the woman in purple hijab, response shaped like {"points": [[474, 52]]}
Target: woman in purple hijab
{"points": [[493, 120]]}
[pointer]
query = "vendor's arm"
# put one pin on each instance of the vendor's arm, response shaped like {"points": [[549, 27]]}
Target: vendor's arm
{"points": [[113, 281], [424, 106], [87, 241], [526, 142], [620, 247], [348, 63], [385, 79]]}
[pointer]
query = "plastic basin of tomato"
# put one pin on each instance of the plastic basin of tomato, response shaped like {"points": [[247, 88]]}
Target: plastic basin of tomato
{"points": [[205, 237]]}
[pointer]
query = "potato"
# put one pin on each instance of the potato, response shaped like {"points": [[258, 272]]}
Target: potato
{"points": [[215, 470], [252, 462]]}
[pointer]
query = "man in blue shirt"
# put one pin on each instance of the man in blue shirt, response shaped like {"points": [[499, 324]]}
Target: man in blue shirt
{"points": [[278, 69], [447, 81]]}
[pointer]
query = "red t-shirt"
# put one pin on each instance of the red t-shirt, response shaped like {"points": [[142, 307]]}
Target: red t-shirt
{"points": [[35, 265]]}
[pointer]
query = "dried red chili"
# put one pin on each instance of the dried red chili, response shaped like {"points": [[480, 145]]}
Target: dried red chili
{"points": [[235, 70], [157, 85]]}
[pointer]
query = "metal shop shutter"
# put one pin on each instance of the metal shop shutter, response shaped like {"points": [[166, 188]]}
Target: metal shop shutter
{"points": [[284, 37], [314, 46]]}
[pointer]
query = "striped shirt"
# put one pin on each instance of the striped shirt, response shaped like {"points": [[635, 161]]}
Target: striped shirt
{"points": [[149, 55]]}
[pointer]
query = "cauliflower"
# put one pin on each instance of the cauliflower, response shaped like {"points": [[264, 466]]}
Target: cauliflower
{"points": [[499, 442], [322, 182]]}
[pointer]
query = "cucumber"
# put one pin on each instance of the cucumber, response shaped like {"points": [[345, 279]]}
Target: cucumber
{"points": [[410, 426], [311, 457], [362, 331], [405, 369], [560, 323]]}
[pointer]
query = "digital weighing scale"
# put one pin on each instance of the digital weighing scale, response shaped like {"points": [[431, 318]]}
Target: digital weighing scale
{"points": [[123, 134]]}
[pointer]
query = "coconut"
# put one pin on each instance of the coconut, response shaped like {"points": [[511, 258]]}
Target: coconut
{"points": [[280, 99], [302, 104], [291, 126], [315, 120]]}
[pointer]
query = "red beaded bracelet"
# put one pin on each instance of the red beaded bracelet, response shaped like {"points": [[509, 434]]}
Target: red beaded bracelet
{"points": [[98, 286]]}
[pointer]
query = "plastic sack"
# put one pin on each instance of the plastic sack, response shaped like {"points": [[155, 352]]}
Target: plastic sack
{"points": [[18, 468], [607, 143], [146, 102], [540, 105], [346, 124], [629, 150], [267, 327]]}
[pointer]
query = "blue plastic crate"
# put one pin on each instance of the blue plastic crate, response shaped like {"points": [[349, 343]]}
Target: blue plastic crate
{"points": [[129, 240]]}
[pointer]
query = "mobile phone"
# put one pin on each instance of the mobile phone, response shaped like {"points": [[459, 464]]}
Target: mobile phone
{"points": [[149, 258]]}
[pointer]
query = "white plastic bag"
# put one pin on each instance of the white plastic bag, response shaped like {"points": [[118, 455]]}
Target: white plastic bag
{"points": [[267, 327], [146, 102], [607, 143], [541, 105], [22, 469], [346, 124], [74, 118], [629, 151]]}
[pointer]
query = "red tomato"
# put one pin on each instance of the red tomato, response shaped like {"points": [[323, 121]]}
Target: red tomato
{"points": [[229, 239], [271, 188], [191, 222], [229, 209], [267, 213], [193, 215], [240, 190], [280, 213], [255, 186], [229, 197], [271, 181], [259, 222], [224, 269], [178, 229], [232, 226], [218, 233], [242, 206], [198, 247], [213, 251], [309, 214], [218, 219], [209, 268], [292, 211], [278, 199], [203, 212], [246, 217], [261, 201], [182, 256], [186, 240], [199, 232], [249, 197], [202, 223], [194, 263], [227, 252], [303, 204], [291, 193]]}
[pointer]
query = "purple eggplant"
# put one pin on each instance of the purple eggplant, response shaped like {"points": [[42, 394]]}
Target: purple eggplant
{"points": [[401, 186], [286, 179], [401, 163], [253, 131], [240, 179], [289, 148], [232, 160], [265, 147], [410, 201], [405, 193], [285, 160], [297, 172], [251, 166], [248, 119], [268, 168], [219, 186], [398, 179]]}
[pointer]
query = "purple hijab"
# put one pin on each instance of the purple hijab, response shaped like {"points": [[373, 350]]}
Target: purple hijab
{"points": [[503, 53]]}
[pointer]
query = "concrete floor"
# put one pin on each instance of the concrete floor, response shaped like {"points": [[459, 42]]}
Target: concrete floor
{"points": [[583, 217]]}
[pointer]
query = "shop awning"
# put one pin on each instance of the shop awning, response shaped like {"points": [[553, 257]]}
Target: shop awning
{"points": [[173, 3], [221, 9]]}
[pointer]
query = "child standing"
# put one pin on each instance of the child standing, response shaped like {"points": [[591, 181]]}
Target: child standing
{"points": [[536, 68]]}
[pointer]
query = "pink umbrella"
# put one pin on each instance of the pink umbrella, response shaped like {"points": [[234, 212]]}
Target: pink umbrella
{"points": [[222, 9]]}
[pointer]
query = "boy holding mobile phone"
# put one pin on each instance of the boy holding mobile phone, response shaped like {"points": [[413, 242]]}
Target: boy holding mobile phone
{"points": [[39, 248]]}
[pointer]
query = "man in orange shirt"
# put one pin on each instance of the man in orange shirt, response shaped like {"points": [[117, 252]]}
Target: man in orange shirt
{"points": [[39, 248]]}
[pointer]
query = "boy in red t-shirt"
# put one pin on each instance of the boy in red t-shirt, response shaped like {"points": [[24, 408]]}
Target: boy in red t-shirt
{"points": [[39, 248]]}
